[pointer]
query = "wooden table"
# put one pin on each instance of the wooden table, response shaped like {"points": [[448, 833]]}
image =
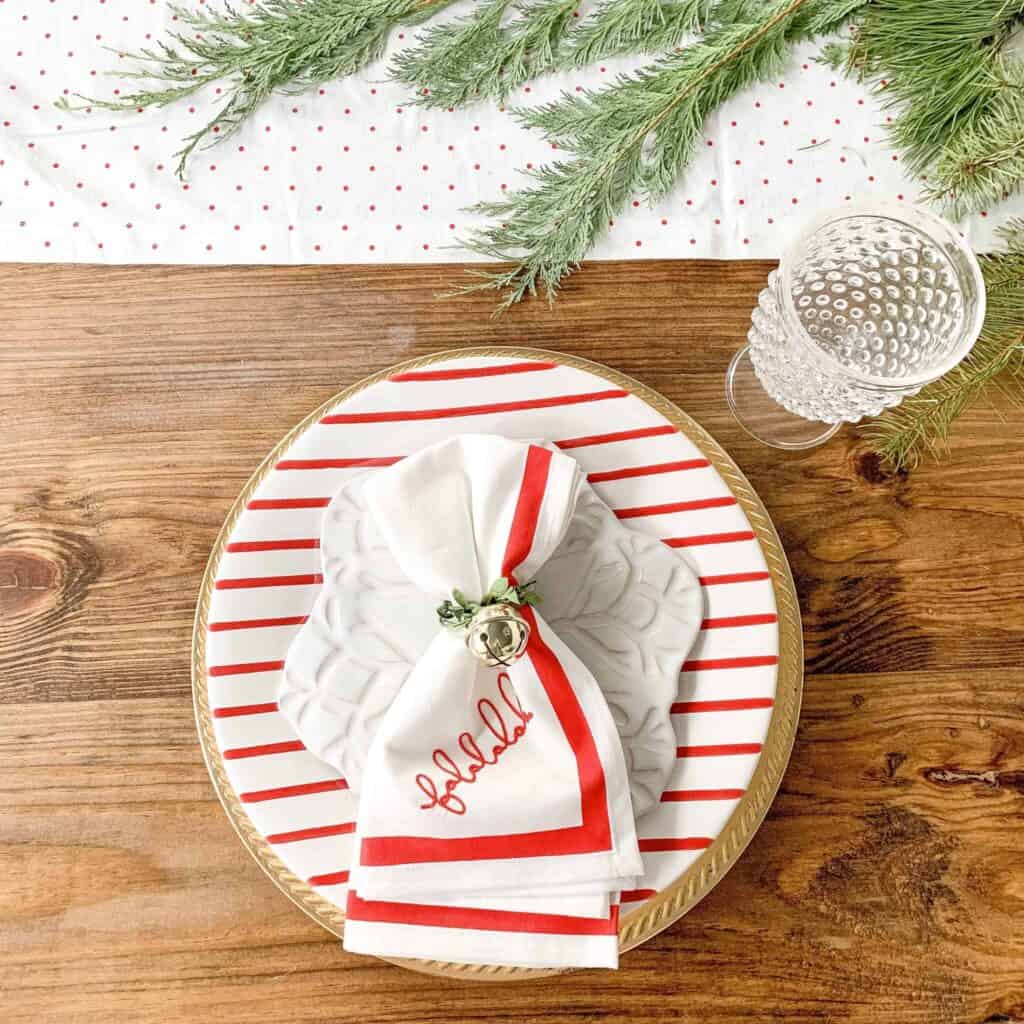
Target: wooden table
{"points": [[887, 884]]}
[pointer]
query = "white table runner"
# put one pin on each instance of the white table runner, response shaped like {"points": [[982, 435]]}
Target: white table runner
{"points": [[350, 173]]}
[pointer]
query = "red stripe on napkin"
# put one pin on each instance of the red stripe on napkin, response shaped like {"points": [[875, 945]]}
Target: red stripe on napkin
{"points": [[636, 895], [385, 912], [527, 513], [401, 415], [470, 371], [594, 834]]}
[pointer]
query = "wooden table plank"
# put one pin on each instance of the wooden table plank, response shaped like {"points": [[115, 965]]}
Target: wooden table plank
{"points": [[888, 882]]}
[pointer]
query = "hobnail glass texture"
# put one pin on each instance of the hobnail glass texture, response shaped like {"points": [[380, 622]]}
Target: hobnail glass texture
{"points": [[865, 312]]}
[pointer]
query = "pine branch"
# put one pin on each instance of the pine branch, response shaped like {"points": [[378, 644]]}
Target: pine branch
{"points": [[957, 99], [637, 26], [273, 46], [631, 138], [922, 424], [476, 57]]}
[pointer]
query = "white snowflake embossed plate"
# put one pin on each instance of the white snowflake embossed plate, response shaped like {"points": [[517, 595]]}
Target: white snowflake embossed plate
{"points": [[739, 691]]}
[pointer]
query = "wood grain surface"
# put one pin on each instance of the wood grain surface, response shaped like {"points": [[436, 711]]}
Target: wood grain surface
{"points": [[887, 884]]}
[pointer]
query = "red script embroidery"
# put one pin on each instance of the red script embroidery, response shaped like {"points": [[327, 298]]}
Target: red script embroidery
{"points": [[507, 732]]}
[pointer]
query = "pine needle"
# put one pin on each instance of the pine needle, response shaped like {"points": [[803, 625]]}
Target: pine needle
{"points": [[273, 46], [637, 26], [922, 424], [485, 55], [477, 57], [957, 99], [633, 137]]}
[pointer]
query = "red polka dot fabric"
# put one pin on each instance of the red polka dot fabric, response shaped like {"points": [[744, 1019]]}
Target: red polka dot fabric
{"points": [[351, 173]]}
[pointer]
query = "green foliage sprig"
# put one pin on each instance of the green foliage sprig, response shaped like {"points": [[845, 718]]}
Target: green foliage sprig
{"points": [[633, 137], [275, 45], [458, 612], [956, 95], [476, 57], [923, 423], [485, 56]]}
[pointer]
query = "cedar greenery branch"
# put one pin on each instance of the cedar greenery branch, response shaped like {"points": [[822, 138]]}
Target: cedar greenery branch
{"points": [[273, 46], [632, 138]]}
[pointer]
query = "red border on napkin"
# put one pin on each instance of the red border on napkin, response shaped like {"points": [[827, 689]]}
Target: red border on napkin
{"points": [[593, 835]]}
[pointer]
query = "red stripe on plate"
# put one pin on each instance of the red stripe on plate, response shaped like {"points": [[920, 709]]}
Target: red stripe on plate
{"points": [[729, 621], [302, 789], [734, 577], [331, 878], [303, 580], [285, 620], [268, 504], [472, 371], [636, 895], [476, 919], [238, 710], [382, 460], [284, 747], [620, 435], [709, 538], [674, 506], [239, 547], [654, 470], [662, 845], [401, 415], [245, 668], [719, 750], [753, 661], [681, 796], [320, 832], [690, 707]]}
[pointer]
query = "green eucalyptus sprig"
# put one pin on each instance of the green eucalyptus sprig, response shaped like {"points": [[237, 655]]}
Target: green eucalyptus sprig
{"points": [[458, 612]]}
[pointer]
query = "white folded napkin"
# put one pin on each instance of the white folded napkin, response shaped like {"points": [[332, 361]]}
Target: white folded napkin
{"points": [[495, 823]]}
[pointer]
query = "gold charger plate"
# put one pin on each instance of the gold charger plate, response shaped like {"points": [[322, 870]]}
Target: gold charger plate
{"points": [[700, 877]]}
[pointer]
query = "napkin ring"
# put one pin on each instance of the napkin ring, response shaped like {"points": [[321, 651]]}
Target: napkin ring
{"points": [[496, 632], [498, 635]]}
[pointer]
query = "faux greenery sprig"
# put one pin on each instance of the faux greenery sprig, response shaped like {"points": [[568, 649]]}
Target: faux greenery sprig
{"points": [[956, 95], [632, 138], [271, 46], [922, 424], [485, 55], [459, 612]]}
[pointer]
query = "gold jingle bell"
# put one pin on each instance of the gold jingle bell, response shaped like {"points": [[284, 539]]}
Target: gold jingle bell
{"points": [[498, 634]]}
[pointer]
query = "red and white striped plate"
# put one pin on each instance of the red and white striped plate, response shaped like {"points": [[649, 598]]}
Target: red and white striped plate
{"points": [[739, 692]]}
